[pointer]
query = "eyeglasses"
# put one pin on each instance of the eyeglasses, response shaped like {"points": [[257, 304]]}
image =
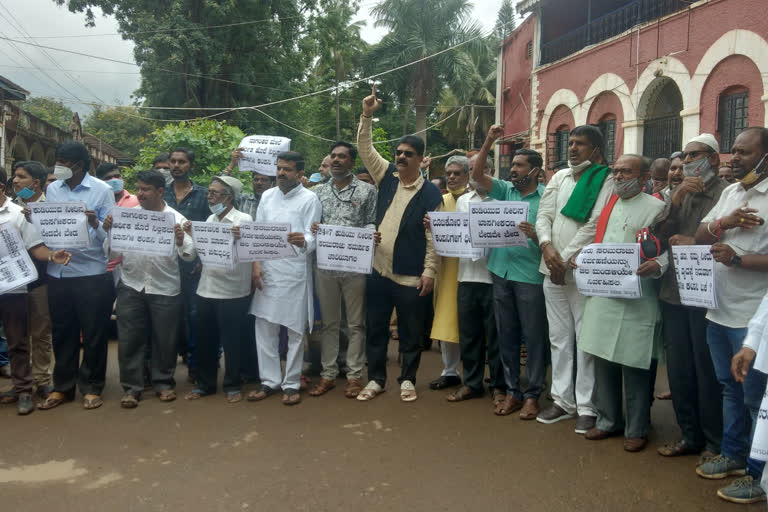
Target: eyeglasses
{"points": [[216, 193], [408, 154]]}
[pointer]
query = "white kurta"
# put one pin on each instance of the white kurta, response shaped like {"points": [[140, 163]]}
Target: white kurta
{"points": [[286, 298]]}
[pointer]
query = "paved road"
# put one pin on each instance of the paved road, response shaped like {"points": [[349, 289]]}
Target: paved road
{"points": [[331, 453]]}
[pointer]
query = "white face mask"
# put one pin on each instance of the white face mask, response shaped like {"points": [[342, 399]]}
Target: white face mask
{"points": [[62, 172], [578, 168], [216, 208]]}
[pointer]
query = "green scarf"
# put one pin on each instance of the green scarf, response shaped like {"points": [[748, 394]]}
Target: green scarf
{"points": [[584, 195]]}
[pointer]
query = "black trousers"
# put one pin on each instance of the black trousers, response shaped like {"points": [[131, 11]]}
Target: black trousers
{"points": [[477, 327], [80, 304], [696, 392], [221, 322], [381, 296], [13, 313]]}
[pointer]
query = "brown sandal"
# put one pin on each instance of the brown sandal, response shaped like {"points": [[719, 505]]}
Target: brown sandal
{"points": [[260, 394], [92, 402], [497, 396], [167, 395], [322, 387], [291, 397], [354, 387], [463, 393], [508, 406], [54, 399]]}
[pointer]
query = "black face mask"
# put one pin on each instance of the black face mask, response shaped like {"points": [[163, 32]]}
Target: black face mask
{"points": [[524, 181]]}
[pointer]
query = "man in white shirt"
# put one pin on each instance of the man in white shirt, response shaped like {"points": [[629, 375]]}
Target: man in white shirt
{"points": [[13, 304], [565, 223], [738, 233], [223, 297], [283, 293], [149, 302]]}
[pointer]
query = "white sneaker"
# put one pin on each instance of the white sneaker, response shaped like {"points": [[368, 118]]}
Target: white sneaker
{"points": [[370, 391], [408, 391]]}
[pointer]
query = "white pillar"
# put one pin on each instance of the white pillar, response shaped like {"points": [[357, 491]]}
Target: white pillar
{"points": [[633, 137], [691, 124]]}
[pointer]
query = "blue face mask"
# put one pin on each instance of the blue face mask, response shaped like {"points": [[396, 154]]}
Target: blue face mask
{"points": [[217, 208], [25, 193], [117, 184]]}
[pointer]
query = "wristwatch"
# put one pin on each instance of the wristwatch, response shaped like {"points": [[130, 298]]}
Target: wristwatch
{"points": [[736, 260]]}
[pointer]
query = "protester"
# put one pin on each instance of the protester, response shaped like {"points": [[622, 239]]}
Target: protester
{"points": [[364, 176], [190, 200], [79, 294], [695, 391], [518, 294], [223, 297], [566, 222], [346, 201], [725, 172], [659, 176], [110, 174], [737, 233], [622, 334], [323, 173], [445, 323], [149, 303], [441, 183], [260, 183], [162, 163], [49, 179], [284, 286], [675, 175], [405, 264]]}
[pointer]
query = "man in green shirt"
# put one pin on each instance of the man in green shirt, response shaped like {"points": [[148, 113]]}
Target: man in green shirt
{"points": [[518, 292]]}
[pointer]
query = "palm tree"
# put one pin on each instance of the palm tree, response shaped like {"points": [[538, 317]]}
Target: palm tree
{"points": [[418, 29]]}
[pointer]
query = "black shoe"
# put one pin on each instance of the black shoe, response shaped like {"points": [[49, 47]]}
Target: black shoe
{"points": [[25, 405], [448, 381]]}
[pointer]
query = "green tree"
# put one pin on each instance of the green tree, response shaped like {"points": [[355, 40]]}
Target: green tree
{"points": [[122, 127], [505, 21], [49, 109]]}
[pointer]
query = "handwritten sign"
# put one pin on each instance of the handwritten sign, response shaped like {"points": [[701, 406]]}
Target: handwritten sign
{"points": [[345, 248], [496, 224], [609, 270], [450, 235], [759, 448], [214, 243], [264, 241], [16, 268], [142, 231], [260, 153], [695, 271], [61, 225]]}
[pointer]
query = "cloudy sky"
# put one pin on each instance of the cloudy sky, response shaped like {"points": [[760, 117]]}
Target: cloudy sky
{"points": [[78, 79]]}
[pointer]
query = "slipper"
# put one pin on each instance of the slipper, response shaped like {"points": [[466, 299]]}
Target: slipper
{"points": [[370, 391], [195, 394], [408, 391], [463, 393], [677, 448], [92, 402], [9, 397], [234, 396], [354, 387], [291, 397], [508, 406], [167, 395], [261, 394], [129, 402], [497, 396], [54, 399]]}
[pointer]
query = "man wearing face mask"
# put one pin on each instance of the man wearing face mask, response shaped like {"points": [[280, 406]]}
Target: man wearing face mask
{"points": [[445, 324], [79, 294], [622, 334], [518, 294], [111, 175], [149, 303], [736, 229], [692, 381], [162, 164], [566, 222], [346, 201], [260, 182]]}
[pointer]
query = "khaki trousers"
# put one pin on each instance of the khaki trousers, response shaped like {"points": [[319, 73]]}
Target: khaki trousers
{"points": [[40, 338]]}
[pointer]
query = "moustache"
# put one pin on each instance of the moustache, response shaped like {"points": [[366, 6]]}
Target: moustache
{"points": [[402, 161]]}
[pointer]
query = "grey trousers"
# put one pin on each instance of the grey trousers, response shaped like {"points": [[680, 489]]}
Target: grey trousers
{"points": [[141, 316], [607, 396]]}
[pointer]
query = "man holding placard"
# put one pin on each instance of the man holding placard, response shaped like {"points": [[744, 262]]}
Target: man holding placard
{"points": [[283, 293], [80, 294], [260, 181], [622, 334], [692, 381], [149, 302], [346, 201], [738, 233], [405, 264], [223, 296], [517, 283], [566, 222]]}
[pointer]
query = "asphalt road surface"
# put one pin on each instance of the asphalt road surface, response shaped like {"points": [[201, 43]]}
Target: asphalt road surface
{"points": [[332, 453]]}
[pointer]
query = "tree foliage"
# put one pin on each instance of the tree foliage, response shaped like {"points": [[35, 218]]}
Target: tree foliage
{"points": [[505, 21], [122, 127], [50, 110]]}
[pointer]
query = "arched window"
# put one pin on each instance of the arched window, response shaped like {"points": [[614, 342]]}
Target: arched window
{"points": [[732, 116]]}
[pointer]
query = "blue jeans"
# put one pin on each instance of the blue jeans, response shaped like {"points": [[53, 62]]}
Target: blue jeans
{"points": [[740, 401], [3, 348]]}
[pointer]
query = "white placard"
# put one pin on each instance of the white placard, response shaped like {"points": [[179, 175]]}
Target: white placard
{"points": [[450, 235], [142, 231], [494, 224], [260, 153], [16, 267], [261, 241], [609, 270], [214, 243], [61, 225], [695, 271], [345, 248], [759, 449]]}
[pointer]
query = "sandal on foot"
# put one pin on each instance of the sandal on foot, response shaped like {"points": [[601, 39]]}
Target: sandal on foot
{"points": [[167, 395], [195, 394], [234, 396], [408, 391], [322, 387], [677, 448], [370, 391], [291, 397], [260, 394], [92, 402], [463, 393], [54, 399], [354, 387], [9, 397], [508, 406], [129, 401], [497, 396]]}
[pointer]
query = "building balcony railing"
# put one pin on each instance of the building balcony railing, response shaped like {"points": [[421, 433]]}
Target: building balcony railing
{"points": [[607, 26]]}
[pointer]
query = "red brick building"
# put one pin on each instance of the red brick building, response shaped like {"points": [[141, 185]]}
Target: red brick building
{"points": [[651, 73]]}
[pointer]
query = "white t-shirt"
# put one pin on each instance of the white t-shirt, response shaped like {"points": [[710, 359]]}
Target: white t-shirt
{"points": [[222, 283]]}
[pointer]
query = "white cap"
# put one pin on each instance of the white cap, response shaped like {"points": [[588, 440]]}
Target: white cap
{"points": [[708, 140], [232, 182]]}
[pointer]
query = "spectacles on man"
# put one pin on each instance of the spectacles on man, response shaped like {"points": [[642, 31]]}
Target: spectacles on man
{"points": [[408, 154], [625, 172], [216, 193]]}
